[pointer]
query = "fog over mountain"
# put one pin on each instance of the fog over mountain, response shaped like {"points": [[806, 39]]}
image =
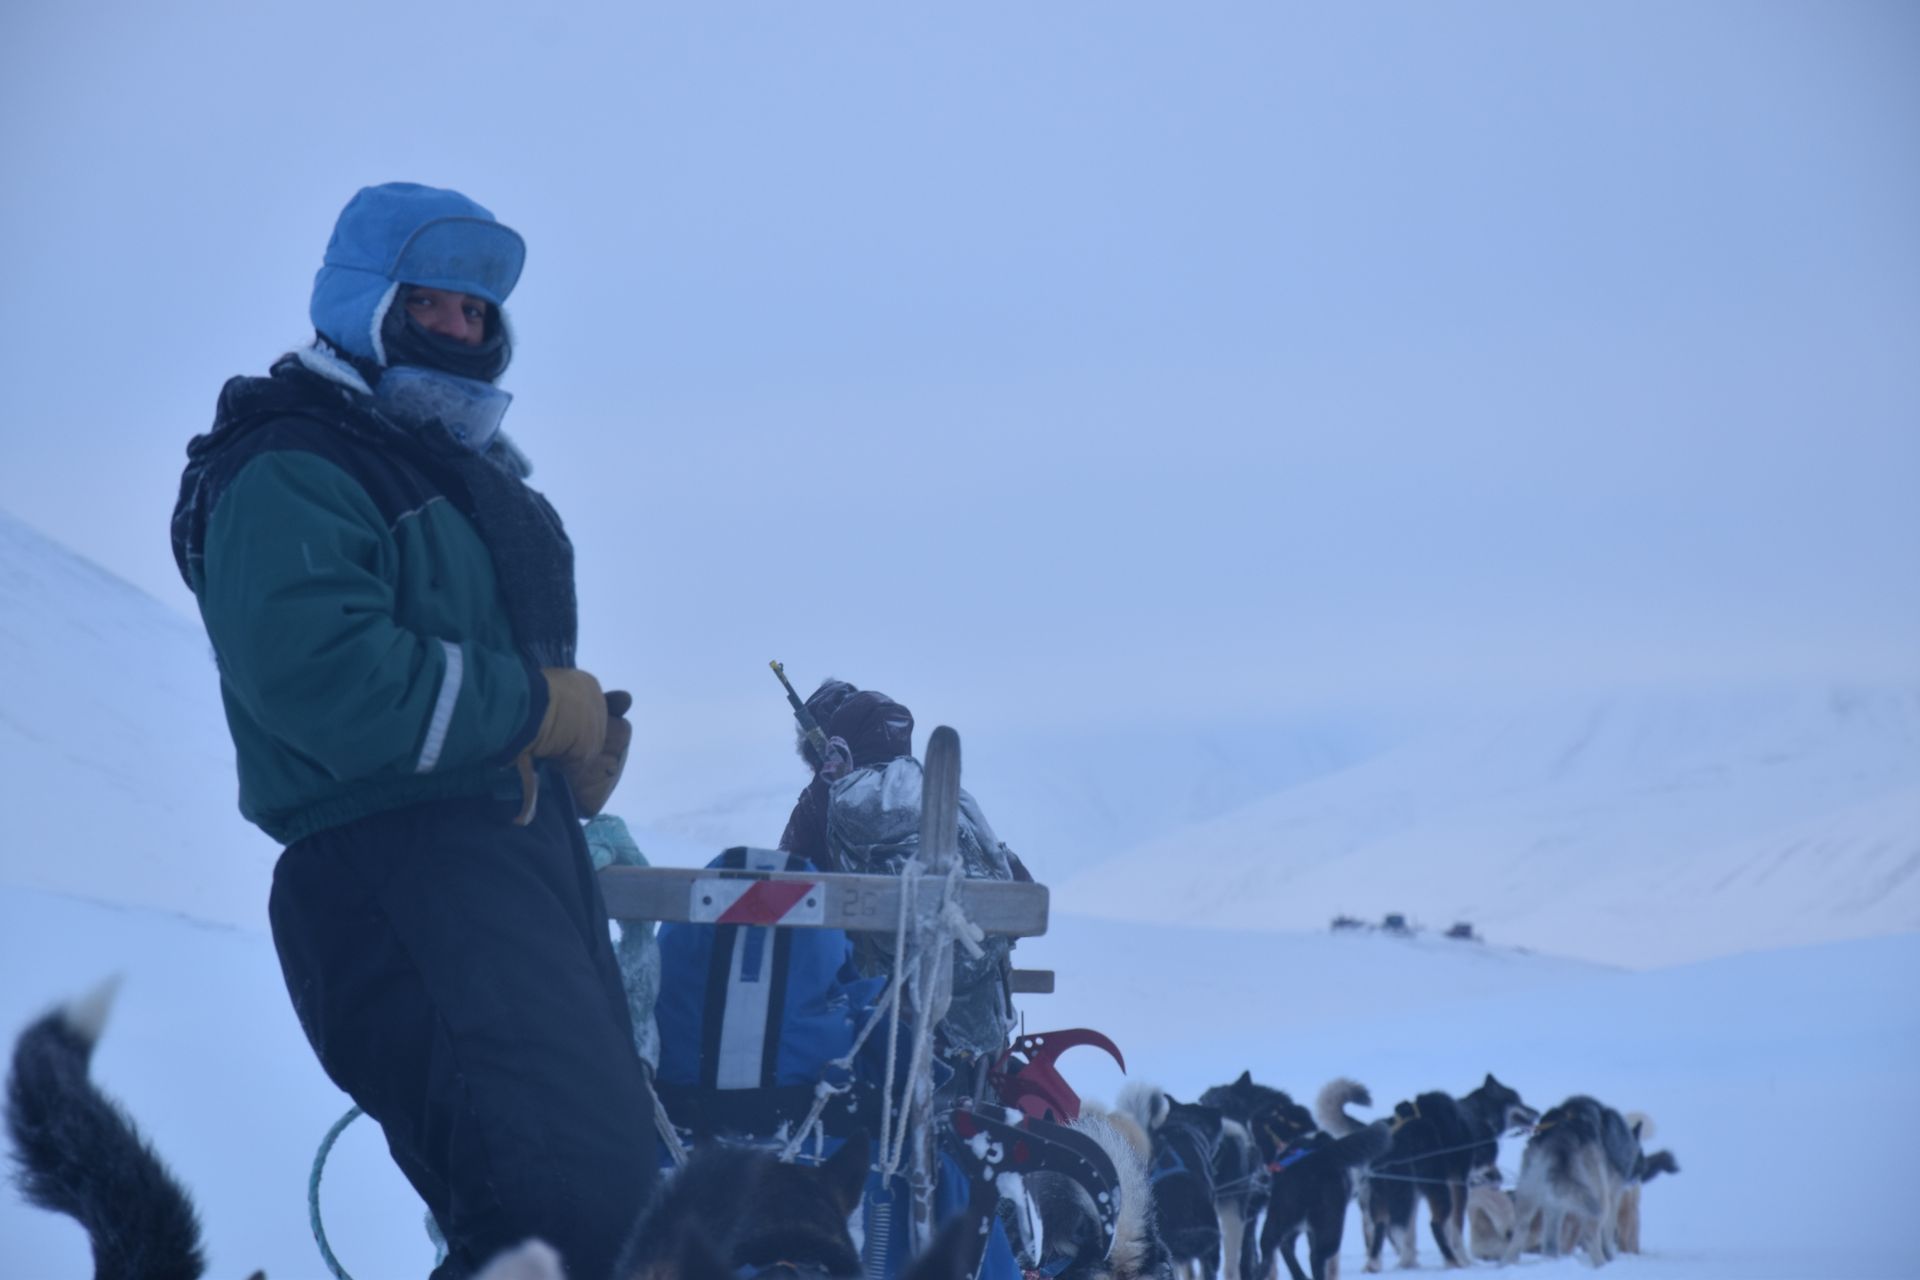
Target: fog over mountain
{"points": [[1631, 828]]}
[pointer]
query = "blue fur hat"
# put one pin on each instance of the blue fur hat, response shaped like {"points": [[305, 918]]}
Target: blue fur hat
{"points": [[403, 233]]}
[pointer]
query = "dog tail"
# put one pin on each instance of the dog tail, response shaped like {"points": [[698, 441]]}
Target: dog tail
{"points": [[1652, 1166], [1146, 1103], [1330, 1108], [1135, 1238], [1363, 1146], [78, 1154]]}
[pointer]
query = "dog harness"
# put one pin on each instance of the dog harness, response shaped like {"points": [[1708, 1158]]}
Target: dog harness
{"points": [[1290, 1156]]}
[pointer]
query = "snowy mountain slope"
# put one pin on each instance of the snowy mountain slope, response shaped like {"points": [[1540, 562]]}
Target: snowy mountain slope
{"points": [[115, 766], [1642, 829]]}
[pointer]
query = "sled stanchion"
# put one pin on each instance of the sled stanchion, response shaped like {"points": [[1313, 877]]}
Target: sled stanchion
{"points": [[939, 855]]}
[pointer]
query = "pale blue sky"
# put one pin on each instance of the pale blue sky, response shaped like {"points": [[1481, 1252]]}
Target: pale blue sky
{"points": [[1013, 357]]}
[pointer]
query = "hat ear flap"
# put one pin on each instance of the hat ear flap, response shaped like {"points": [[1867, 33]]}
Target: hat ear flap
{"points": [[387, 321]]}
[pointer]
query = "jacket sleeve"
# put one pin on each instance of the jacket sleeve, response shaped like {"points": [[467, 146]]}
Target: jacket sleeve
{"points": [[298, 595]]}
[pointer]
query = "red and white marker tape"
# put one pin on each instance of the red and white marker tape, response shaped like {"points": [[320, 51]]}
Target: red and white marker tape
{"points": [[762, 902]]}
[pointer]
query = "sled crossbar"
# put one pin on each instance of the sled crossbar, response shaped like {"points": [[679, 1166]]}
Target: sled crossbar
{"points": [[805, 899], [1032, 982]]}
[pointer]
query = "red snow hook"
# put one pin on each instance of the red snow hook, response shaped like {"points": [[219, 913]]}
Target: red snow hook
{"points": [[1024, 1075]]}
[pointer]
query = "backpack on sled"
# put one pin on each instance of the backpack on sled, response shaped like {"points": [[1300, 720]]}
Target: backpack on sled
{"points": [[753, 1017]]}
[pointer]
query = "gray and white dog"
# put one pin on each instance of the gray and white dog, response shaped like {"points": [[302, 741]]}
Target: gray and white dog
{"points": [[1581, 1160]]}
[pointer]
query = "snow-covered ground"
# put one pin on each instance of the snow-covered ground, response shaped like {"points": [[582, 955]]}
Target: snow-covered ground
{"points": [[1702, 826], [1781, 1080]]}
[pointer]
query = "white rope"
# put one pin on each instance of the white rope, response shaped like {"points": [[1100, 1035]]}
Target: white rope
{"points": [[890, 1146], [668, 1134], [825, 1090], [962, 930]]}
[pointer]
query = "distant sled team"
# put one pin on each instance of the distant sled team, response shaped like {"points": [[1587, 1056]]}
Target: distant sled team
{"points": [[1225, 1186]]}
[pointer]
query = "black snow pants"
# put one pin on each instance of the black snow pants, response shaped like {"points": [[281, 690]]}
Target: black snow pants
{"points": [[454, 974]]}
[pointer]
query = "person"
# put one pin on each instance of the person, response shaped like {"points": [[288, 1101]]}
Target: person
{"points": [[391, 610], [860, 813], [871, 728]]}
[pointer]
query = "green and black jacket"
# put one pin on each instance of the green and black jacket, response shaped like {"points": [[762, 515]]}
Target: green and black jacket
{"points": [[367, 658]]}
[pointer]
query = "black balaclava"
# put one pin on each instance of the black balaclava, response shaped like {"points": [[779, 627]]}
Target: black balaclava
{"points": [[407, 342]]}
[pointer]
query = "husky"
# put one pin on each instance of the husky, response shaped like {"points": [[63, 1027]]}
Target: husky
{"points": [[1277, 1125], [1438, 1142], [1186, 1137], [1068, 1216], [1490, 1209], [1489, 1216], [1490, 1222], [1582, 1157], [1312, 1171], [1311, 1180], [732, 1212], [1646, 1170], [1239, 1192]]}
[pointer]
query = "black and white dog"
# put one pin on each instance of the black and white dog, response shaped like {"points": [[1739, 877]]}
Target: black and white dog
{"points": [[1311, 1172], [1186, 1139], [1438, 1143], [1275, 1123], [1312, 1184]]}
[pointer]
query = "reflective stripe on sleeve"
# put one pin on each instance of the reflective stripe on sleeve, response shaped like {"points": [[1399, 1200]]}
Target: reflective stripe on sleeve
{"points": [[442, 709]]}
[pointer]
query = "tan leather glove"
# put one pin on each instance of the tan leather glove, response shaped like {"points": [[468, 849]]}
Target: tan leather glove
{"points": [[573, 731], [575, 725], [593, 780]]}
